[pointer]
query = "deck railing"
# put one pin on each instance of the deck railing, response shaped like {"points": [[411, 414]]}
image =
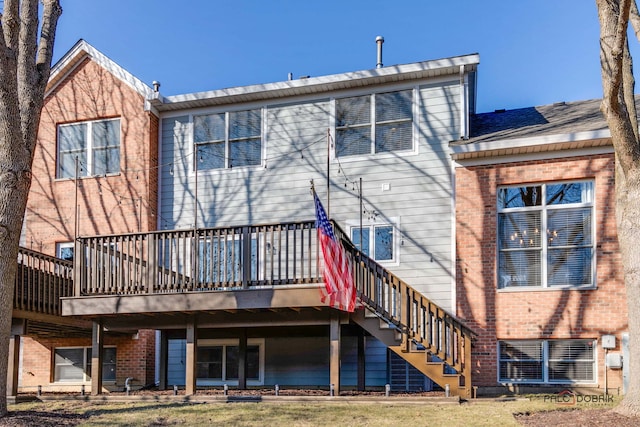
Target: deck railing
{"points": [[423, 324], [41, 280], [260, 256], [195, 260]]}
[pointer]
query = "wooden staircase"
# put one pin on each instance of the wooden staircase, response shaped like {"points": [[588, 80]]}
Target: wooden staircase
{"points": [[410, 325]]}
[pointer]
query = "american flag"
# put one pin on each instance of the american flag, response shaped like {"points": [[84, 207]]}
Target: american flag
{"points": [[339, 288]]}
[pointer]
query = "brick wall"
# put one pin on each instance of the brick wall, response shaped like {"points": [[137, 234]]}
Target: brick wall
{"points": [[542, 314], [120, 203], [135, 358]]}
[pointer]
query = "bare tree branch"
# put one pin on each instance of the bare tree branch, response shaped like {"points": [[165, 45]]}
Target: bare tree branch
{"points": [[616, 64], [11, 24], [52, 12], [634, 18], [617, 53]]}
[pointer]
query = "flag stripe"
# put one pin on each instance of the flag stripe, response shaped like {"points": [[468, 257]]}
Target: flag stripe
{"points": [[339, 288]]}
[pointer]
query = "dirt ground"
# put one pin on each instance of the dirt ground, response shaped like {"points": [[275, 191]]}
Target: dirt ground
{"points": [[559, 418], [573, 418]]}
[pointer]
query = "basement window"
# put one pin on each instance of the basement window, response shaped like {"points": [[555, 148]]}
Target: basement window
{"points": [[547, 361], [73, 364], [218, 361]]}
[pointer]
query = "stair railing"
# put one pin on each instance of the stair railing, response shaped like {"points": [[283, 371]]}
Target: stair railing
{"points": [[423, 323]]}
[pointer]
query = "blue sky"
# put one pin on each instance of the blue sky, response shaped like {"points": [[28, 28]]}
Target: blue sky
{"points": [[532, 52]]}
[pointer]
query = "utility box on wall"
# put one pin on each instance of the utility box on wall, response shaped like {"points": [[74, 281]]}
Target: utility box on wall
{"points": [[614, 361], [608, 341]]}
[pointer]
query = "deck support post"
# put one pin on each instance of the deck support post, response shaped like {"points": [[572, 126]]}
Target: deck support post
{"points": [[334, 353], [12, 365], [361, 360], [164, 359], [242, 360], [97, 344], [190, 365]]}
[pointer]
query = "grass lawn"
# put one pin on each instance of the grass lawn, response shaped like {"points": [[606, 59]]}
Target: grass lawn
{"points": [[379, 413]]}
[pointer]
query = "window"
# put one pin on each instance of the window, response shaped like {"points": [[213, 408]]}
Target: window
{"points": [[545, 235], [96, 144], [74, 364], [376, 123], [551, 361], [226, 140], [218, 361], [65, 251], [377, 241]]}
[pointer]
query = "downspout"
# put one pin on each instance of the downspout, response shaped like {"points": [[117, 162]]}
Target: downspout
{"points": [[464, 104]]}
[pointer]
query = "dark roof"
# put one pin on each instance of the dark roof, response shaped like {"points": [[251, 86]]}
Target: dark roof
{"points": [[553, 119]]}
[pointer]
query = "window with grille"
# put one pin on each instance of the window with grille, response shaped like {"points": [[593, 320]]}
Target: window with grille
{"points": [[375, 123], [96, 145], [73, 364], [547, 361], [228, 140], [377, 241], [65, 250], [545, 235], [218, 361]]}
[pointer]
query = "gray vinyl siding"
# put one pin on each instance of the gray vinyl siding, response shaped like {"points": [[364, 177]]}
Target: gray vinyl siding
{"points": [[297, 362], [295, 145], [375, 362], [305, 362], [300, 362], [176, 355]]}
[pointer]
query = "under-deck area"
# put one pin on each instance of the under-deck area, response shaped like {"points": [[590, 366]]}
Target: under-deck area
{"points": [[226, 289]]}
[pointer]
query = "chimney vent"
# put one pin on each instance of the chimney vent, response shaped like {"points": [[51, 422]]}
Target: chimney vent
{"points": [[379, 41]]}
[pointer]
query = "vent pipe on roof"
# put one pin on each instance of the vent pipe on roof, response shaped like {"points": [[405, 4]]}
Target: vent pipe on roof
{"points": [[379, 41]]}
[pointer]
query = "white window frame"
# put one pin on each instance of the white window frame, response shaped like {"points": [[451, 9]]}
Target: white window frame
{"points": [[228, 161], [394, 223], [545, 362], [231, 343], [64, 245], [89, 150], [544, 209], [415, 109], [86, 378]]}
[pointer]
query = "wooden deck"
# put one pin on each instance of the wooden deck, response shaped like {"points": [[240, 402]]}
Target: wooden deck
{"points": [[271, 267], [41, 282]]}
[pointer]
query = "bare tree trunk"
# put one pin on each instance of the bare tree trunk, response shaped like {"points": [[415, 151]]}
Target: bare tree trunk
{"points": [[618, 106], [25, 62]]}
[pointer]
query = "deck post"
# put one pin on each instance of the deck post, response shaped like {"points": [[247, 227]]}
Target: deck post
{"points": [[334, 353], [361, 360], [246, 257], [164, 359], [78, 268], [191, 361], [242, 360], [12, 366], [97, 343]]}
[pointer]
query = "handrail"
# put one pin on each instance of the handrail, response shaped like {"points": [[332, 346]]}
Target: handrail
{"points": [[245, 257], [421, 321], [194, 260], [41, 280]]}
